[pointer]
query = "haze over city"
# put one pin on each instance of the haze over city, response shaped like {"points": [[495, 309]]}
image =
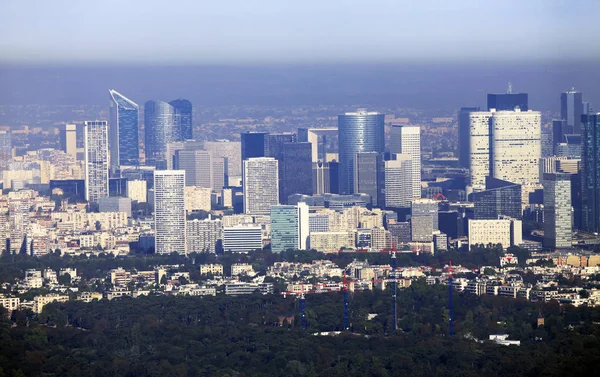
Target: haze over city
{"points": [[313, 188]]}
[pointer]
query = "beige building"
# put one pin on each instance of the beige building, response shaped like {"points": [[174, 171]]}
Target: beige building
{"points": [[197, 199], [137, 191], [10, 303], [506, 232], [40, 301], [213, 269], [331, 241]]}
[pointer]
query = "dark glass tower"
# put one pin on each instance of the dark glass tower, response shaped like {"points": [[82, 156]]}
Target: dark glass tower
{"points": [[254, 144], [369, 176], [295, 168], [571, 110], [275, 145], [123, 132], [590, 172], [161, 128], [359, 131], [183, 113], [500, 198], [507, 101]]}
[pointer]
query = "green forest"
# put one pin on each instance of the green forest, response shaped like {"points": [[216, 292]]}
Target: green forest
{"points": [[261, 336]]}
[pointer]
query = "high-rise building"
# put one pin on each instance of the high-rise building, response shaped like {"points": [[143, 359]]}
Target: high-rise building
{"points": [[117, 187], [369, 176], [406, 139], [571, 109], [590, 173], [559, 126], [398, 182], [507, 101], [183, 115], [295, 169], [123, 132], [464, 136], [516, 147], [277, 143], [426, 207], [254, 144], [506, 232], [321, 180], [289, 227], [198, 199], [479, 148], [500, 198], [231, 150], [197, 165], [115, 204], [324, 141], [359, 131], [161, 128], [5, 150], [558, 219], [137, 190], [169, 211], [173, 147], [261, 185], [204, 236], [68, 140], [334, 177], [96, 160]]}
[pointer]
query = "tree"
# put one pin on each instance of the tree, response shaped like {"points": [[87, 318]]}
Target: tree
{"points": [[64, 279]]}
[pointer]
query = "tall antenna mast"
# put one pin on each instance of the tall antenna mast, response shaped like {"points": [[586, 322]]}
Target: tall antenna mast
{"points": [[509, 90], [450, 305], [302, 311], [346, 316]]}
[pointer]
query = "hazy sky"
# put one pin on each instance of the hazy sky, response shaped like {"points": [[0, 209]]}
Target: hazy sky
{"points": [[297, 31]]}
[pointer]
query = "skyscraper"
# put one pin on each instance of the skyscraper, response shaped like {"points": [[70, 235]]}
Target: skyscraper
{"points": [[169, 211], [398, 182], [558, 131], [558, 220], [500, 198], [590, 173], [197, 165], [5, 149], [261, 185], [295, 168], [123, 132], [254, 144], [507, 101], [68, 140], [324, 141], [321, 182], [289, 227], [369, 176], [161, 128], [406, 139], [183, 115], [96, 160], [571, 109], [516, 147], [479, 148], [232, 150], [359, 131], [464, 136]]}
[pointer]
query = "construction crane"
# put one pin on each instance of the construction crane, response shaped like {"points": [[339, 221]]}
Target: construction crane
{"points": [[450, 305]]}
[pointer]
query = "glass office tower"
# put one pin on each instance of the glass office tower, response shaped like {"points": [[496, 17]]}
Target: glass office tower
{"points": [[123, 132], [590, 171], [161, 128], [183, 114], [359, 131]]}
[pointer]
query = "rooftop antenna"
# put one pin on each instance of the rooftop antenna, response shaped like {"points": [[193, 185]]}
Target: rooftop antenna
{"points": [[394, 286], [346, 317], [509, 90]]}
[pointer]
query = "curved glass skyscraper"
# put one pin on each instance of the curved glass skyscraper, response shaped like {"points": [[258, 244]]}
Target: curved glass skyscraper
{"points": [[360, 131], [161, 128], [123, 133], [183, 112]]}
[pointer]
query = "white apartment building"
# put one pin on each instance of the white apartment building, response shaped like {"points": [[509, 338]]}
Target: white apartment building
{"points": [[169, 211], [137, 190], [261, 185], [329, 242], [242, 238], [506, 232], [197, 198], [398, 181], [405, 139], [96, 160]]}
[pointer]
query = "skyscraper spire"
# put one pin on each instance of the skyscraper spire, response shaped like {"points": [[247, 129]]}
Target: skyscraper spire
{"points": [[509, 90]]}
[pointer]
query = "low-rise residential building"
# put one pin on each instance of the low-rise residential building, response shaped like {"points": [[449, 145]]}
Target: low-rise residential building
{"points": [[211, 269], [40, 301]]}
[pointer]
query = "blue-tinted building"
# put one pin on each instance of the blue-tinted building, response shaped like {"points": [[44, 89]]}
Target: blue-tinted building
{"points": [[123, 134], [590, 172], [254, 144], [74, 188], [500, 198], [117, 187], [507, 101], [183, 113], [161, 128], [289, 227], [295, 166], [359, 131]]}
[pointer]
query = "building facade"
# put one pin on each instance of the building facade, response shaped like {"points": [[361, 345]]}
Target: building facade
{"points": [[406, 139], [398, 182], [558, 217], [183, 117], [161, 128], [123, 136], [590, 173], [169, 211], [289, 227], [96, 160], [261, 185]]}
